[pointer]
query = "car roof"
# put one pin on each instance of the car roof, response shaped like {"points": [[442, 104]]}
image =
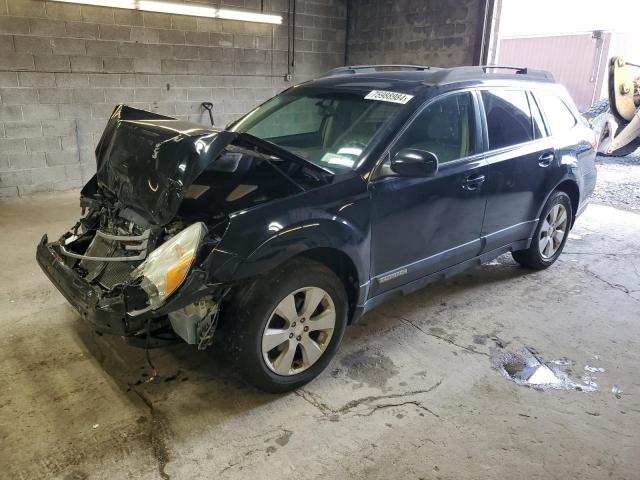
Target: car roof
{"points": [[413, 78]]}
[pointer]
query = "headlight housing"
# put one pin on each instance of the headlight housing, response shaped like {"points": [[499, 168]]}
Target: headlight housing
{"points": [[167, 266]]}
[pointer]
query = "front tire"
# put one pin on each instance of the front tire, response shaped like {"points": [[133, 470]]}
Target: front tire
{"points": [[284, 329], [550, 235]]}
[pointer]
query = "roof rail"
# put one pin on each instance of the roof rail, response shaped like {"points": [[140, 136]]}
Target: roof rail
{"points": [[459, 74], [352, 69], [520, 71], [446, 75]]}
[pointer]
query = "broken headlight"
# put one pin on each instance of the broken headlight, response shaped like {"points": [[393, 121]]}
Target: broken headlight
{"points": [[166, 267]]}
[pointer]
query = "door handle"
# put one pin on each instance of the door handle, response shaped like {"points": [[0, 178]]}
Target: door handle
{"points": [[473, 181], [546, 159]]}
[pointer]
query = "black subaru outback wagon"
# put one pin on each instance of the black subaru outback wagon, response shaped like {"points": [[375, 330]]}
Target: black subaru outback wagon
{"points": [[318, 205]]}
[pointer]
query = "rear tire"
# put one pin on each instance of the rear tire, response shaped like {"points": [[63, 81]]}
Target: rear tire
{"points": [[550, 235], [276, 336]]}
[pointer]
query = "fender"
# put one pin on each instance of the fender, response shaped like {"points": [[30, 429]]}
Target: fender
{"points": [[334, 233], [262, 238]]}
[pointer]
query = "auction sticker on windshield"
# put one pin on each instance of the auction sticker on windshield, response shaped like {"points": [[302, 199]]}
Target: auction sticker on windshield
{"points": [[384, 96]]}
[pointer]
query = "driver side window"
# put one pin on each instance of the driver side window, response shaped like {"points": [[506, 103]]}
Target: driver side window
{"points": [[445, 128]]}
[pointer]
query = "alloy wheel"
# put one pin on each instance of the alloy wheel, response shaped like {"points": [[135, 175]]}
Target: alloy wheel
{"points": [[298, 331], [552, 231]]}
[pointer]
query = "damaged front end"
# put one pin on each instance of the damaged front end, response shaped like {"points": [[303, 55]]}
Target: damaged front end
{"points": [[124, 279], [143, 259]]}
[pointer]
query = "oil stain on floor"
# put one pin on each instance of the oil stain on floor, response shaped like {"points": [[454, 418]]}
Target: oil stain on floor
{"points": [[367, 367]]}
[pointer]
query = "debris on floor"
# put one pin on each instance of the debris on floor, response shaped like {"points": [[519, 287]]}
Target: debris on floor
{"points": [[529, 369], [593, 369], [589, 380], [563, 362]]}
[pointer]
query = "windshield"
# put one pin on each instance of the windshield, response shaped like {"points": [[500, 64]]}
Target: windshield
{"points": [[331, 129]]}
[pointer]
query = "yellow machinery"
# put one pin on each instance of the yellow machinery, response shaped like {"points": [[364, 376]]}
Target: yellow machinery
{"points": [[617, 120]]}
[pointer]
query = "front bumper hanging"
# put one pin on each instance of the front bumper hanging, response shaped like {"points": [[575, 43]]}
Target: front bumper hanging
{"points": [[85, 298], [107, 311]]}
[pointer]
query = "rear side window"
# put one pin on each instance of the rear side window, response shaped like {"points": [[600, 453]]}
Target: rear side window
{"points": [[558, 115], [508, 117]]}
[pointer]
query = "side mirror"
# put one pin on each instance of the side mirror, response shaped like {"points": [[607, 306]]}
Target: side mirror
{"points": [[410, 162]]}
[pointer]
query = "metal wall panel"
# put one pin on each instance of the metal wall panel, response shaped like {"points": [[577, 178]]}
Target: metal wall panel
{"points": [[574, 60]]}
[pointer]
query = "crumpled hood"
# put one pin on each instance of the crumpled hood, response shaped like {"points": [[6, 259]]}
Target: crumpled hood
{"points": [[145, 161]]}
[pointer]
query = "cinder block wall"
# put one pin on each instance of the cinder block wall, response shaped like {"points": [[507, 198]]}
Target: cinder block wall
{"points": [[440, 33], [63, 67]]}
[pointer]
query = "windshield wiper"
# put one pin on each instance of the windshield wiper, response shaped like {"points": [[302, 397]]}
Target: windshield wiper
{"points": [[284, 153]]}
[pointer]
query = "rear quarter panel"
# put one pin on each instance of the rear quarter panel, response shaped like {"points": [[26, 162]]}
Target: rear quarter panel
{"points": [[578, 157], [580, 138], [574, 152]]}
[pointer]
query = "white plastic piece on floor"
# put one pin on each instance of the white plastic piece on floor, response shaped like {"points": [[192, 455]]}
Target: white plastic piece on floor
{"points": [[542, 375], [593, 369], [529, 369], [562, 361], [589, 380]]}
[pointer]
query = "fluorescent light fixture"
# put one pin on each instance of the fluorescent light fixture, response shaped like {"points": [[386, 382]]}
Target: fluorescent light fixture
{"points": [[181, 9]]}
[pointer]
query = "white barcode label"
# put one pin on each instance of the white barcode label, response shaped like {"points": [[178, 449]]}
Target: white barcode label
{"points": [[384, 96]]}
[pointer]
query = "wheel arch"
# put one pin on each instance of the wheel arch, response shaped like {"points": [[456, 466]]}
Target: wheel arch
{"points": [[337, 244], [342, 266], [570, 187], [331, 257]]}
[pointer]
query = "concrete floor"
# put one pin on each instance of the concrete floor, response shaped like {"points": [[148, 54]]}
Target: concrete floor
{"points": [[410, 395], [619, 182]]}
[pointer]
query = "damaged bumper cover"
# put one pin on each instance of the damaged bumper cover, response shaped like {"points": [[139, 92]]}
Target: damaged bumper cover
{"points": [[117, 312]]}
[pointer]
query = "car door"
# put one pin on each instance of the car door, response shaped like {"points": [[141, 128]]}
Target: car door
{"points": [[521, 161], [424, 225]]}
